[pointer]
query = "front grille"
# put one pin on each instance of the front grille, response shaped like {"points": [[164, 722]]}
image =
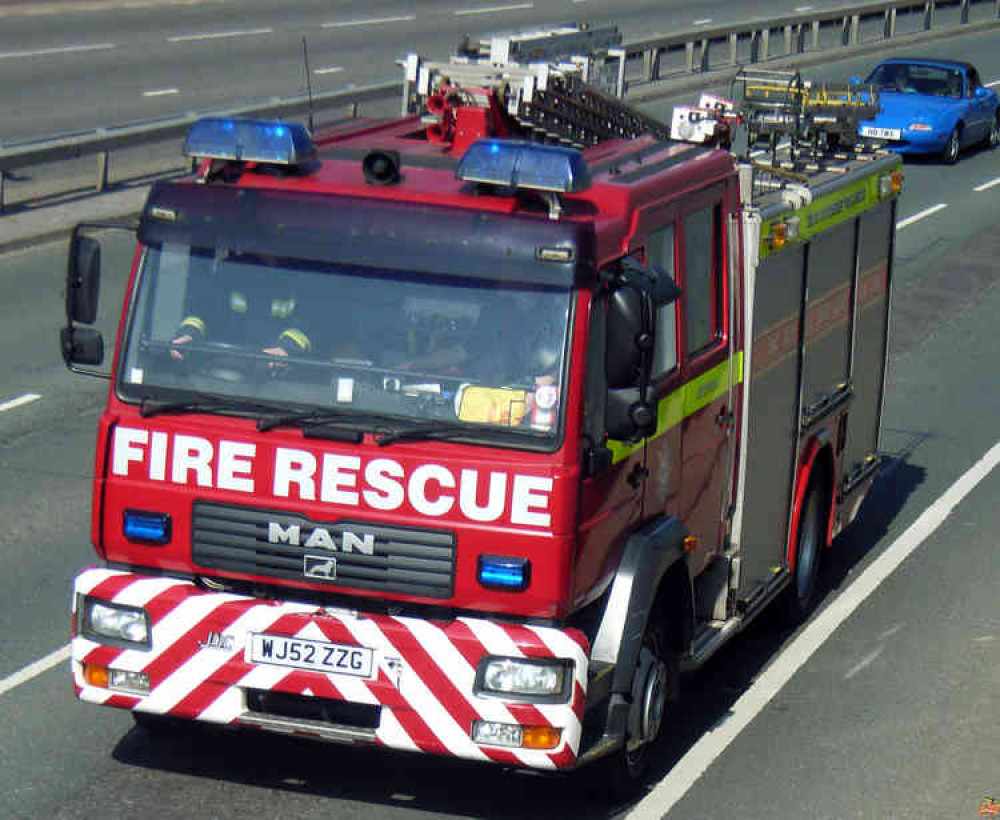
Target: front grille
{"points": [[301, 707], [403, 560]]}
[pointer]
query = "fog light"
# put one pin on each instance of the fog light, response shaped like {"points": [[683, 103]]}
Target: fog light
{"points": [[127, 681], [546, 681], [115, 624], [496, 734], [921, 126]]}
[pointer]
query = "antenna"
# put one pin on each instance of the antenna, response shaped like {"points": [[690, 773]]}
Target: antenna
{"points": [[309, 91]]}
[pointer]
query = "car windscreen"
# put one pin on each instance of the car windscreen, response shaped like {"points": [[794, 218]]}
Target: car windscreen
{"points": [[374, 346], [917, 78]]}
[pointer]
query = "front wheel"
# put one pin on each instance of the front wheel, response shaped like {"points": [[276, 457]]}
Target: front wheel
{"points": [[949, 154], [655, 685], [993, 137]]}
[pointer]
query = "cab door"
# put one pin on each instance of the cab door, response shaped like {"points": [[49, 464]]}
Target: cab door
{"points": [[707, 374]]}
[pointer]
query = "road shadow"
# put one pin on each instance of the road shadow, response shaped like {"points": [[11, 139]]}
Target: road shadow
{"points": [[427, 785], [445, 787]]}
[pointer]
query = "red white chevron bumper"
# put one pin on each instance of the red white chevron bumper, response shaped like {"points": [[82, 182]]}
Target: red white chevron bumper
{"points": [[415, 690]]}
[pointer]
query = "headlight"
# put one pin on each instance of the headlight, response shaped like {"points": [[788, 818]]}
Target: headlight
{"points": [[525, 679], [114, 624]]}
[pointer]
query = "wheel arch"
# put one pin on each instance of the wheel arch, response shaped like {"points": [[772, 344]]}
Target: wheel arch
{"points": [[818, 461], [653, 577]]}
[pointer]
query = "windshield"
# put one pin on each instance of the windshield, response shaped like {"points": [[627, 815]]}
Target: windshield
{"points": [[364, 345], [915, 78]]}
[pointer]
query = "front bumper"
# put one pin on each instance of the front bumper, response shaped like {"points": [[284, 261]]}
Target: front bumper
{"points": [[420, 696]]}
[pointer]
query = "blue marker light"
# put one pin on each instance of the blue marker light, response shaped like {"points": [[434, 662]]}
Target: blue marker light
{"points": [[147, 527], [250, 141], [525, 165], [504, 572]]}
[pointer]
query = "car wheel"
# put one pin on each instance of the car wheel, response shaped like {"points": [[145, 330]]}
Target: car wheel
{"points": [[801, 594], [993, 138], [949, 154], [655, 686]]}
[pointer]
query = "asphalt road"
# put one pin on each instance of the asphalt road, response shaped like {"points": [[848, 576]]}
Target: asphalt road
{"points": [[895, 715]]}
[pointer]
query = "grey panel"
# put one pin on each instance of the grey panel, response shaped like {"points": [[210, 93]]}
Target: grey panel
{"points": [[773, 414], [871, 334], [826, 368], [407, 561]]}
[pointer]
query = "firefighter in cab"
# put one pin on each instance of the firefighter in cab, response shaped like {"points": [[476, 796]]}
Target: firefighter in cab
{"points": [[245, 302]]}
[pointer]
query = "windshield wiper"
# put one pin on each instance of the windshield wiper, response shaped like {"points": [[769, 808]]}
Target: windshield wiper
{"points": [[440, 430], [203, 404], [306, 418]]}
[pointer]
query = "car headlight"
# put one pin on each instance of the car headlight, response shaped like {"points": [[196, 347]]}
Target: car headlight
{"points": [[547, 680], [115, 624]]}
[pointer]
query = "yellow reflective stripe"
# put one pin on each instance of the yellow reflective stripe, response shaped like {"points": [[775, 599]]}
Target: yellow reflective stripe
{"points": [[282, 308], [298, 337], [194, 322], [237, 302], [685, 401]]}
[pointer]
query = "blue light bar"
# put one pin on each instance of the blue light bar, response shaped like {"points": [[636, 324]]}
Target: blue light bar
{"points": [[148, 527], [278, 143], [504, 572], [525, 165]]}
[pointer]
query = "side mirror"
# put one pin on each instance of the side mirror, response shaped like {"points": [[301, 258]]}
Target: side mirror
{"points": [[855, 80], [81, 345], [83, 279], [625, 327], [981, 93]]}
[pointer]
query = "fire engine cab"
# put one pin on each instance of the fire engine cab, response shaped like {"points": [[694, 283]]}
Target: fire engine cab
{"points": [[465, 432]]}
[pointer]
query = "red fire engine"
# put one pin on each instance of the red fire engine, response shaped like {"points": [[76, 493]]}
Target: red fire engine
{"points": [[467, 431]]}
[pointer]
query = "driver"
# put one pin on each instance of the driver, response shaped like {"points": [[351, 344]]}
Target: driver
{"points": [[244, 310]]}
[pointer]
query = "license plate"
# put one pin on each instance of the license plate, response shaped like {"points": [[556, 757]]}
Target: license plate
{"points": [[881, 133], [317, 656]]}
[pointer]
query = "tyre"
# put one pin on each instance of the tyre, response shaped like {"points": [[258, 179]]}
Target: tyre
{"points": [[802, 593], [655, 686], [993, 137], [949, 154]]}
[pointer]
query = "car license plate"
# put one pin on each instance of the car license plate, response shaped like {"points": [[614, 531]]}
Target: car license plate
{"points": [[881, 133], [317, 656]]}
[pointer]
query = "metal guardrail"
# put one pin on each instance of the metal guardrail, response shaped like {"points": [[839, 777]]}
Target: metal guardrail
{"points": [[649, 60]]}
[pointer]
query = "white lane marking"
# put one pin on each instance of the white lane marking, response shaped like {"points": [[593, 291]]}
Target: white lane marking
{"points": [[920, 215], [712, 744], [34, 670], [43, 52], [162, 92], [706, 21], [866, 661], [801, 9], [253, 32], [333, 69], [987, 185], [990, 85], [372, 21], [20, 401], [985, 639], [492, 9], [891, 631]]}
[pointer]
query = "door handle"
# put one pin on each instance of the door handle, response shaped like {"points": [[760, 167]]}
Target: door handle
{"points": [[637, 475]]}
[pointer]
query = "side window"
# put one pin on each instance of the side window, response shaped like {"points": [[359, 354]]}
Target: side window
{"points": [[660, 252], [974, 81], [702, 277]]}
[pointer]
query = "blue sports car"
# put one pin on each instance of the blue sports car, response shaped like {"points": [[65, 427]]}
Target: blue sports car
{"points": [[932, 107]]}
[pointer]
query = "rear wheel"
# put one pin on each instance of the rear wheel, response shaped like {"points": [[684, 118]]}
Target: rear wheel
{"points": [[803, 591], [949, 154]]}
